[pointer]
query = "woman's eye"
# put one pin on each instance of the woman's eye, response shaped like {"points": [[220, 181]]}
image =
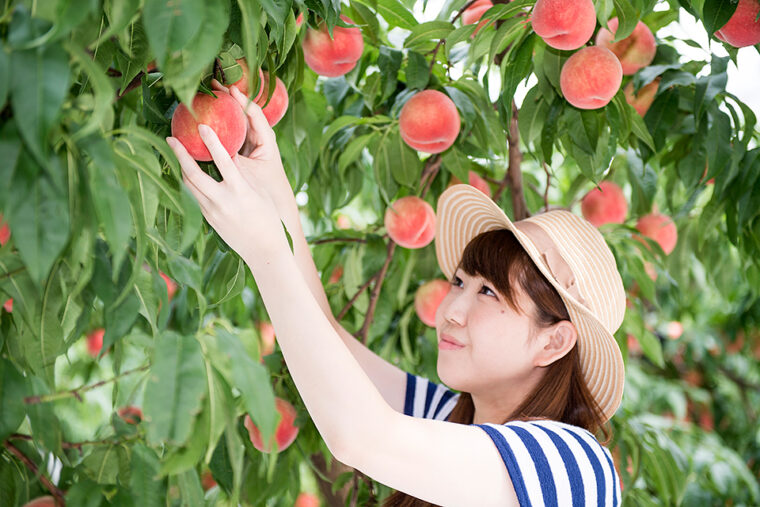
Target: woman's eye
{"points": [[487, 290], [456, 281]]}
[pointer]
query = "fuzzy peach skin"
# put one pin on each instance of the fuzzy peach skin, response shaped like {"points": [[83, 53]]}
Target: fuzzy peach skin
{"points": [[635, 51], [591, 77], [277, 105], [660, 228], [604, 204], [474, 180], [644, 98], [474, 12], [42, 501], [306, 499], [333, 57], [242, 83], [410, 222], [428, 298], [268, 338], [743, 28], [5, 231], [95, 341], [564, 24], [286, 431], [223, 114], [429, 121]]}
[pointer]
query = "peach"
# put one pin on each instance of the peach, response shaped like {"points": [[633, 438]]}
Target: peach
{"points": [[474, 12], [131, 414], [743, 28], [42, 501], [299, 20], [336, 274], [674, 329], [332, 57], [8, 305], [5, 232], [286, 431], [475, 180], [634, 347], [660, 228], [277, 105], [429, 121], [242, 83], [95, 341], [223, 114], [564, 24], [171, 286], [305, 499], [635, 51], [591, 77], [428, 298], [266, 330], [644, 98], [343, 222], [410, 222], [207, 480], [604, 204]]}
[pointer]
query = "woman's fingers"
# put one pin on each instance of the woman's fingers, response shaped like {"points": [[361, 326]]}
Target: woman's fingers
{"points": [[216, 85], [259, 126], [200, 183], [219, 153]]}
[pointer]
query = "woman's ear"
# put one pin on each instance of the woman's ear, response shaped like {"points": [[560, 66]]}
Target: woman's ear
{"points": [[555, 342]]}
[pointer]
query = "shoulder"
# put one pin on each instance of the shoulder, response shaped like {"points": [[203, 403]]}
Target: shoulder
{"points": [[554, 460]]}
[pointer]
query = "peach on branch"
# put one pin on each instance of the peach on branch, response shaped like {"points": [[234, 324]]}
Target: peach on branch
{"points": [[674, 329], [275, 107], [428, 298], [171, 285], [410, 222], [660, 228], [429, 121], [42, 501], [644, 98], [306, 499], [475, 180], [223, 114], [286, 431], [743, 28], [474, 12], [564, 24], [266, 331], [131, 414], [591, 77], [8, 305], [332, 57], [5, 232], [604, 204], [95, 341], [635, 51], [336, 274], [207, 480]]}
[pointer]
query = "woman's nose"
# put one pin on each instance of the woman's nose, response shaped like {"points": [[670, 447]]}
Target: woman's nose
{"points": [[454, 307]]}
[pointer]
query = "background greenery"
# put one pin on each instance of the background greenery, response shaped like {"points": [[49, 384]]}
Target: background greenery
{"points": [[94, 200]]}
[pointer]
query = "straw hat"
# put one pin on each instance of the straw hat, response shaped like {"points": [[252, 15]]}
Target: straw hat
{"points": [[572, 255]]}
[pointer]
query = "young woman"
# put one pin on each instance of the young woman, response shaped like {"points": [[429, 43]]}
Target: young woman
{"points": [[525, 334]]}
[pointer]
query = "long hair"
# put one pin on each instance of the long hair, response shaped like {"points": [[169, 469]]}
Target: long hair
{"points": [[562, 394]]}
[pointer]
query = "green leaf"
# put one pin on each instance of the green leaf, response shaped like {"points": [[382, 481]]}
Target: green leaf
{"points": [[106, 464], [628, 18], [457, 163], [144, 487], [103, 92], [119, 320], [659, 118], [171, 25], [716, 13], [5, 75], [389, 62], [12, 393], [395, 13], [395, 155], [175, 389], [353, 151], [425, 32], [250, 26], [515, 69], [119, 14]]}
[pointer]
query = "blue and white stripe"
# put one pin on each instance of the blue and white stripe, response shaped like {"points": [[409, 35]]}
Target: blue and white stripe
{"points": [[427, 399]]}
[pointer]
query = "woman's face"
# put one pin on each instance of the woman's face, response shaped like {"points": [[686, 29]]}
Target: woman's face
{"points": [[496, 349]]}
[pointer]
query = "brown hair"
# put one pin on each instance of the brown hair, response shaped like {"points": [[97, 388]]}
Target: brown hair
{"points": [[562, 394]]}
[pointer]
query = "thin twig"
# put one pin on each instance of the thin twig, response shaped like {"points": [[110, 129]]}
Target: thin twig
{"points": [[442, 41], [429, 172], [353, 299], [60, 500], [513, 178], [337, 240], [131, 86], [373, 296], [76, 393], [546, 190]]}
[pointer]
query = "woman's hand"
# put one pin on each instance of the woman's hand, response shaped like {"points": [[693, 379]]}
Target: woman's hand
{"points": [[239, 207]]}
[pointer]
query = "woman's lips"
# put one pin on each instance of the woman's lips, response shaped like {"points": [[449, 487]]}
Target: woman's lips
{"points": [[449, 343]]}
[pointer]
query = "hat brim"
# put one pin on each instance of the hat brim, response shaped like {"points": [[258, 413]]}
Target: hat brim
{"points": [[464, 212]]}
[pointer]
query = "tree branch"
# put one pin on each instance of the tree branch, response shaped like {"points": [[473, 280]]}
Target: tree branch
{"points": [[546, 190], [373, 296], [337, 240], [131, 86], [442, 41], [60, 500], [76, 393], [513, 178], [355, 297], [430, 171]]}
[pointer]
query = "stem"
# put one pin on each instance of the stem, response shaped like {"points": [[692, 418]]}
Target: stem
{"points": [[513, 178], [373, 297], [57, 493], [76, 393], [355, 297], [432, 166], [548, 184], [442, 41], [337, 240]]}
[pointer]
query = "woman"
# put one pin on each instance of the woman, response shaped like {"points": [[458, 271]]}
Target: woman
{"points": [[525, 333]]}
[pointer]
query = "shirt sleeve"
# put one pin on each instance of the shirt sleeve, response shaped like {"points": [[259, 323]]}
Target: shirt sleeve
{"points": [[551, 463], [427, 399]]}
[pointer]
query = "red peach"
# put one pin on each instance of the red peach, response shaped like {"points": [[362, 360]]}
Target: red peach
{"points": [[266, 330], [42, 501], [634, 347], [299, 20], [8, 305], [474, 180], [410, 222], [277, 105], [674, 329], [207, 480], [286, 430], [171, 286], [5, 232], [333, 57], [591, 77], [604, 204], [336, 274], [429, 121], [131, 414], [660, 228], [305, 499], [223, 114], [644, 98], [95, 341], [428, 298], [343, 222], [743, 28], [635, 51], [564, 24], [474, 12]]}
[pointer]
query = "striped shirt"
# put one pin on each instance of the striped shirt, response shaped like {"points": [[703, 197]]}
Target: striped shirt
{"points": [[550, 463]]}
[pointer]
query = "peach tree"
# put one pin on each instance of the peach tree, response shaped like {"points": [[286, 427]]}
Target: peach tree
{"points": [[137, 366]]}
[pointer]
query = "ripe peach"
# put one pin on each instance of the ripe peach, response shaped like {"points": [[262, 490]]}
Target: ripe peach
{"points": [[660, 228], [286, 430], [266, 330], [743, 28], [42, 501], [131, 414], [634, 347], [591, 77], [644, 98], [674, 330], [299, 20], [475, 180], [278, 103], [95, 341], [428, 298], [635, 51], [336, 274], [333, 57], [564, 24], [410, 222], [207, 480], [8, 305], [223, 114], [604, 204], [5, 232], [343, 222], [171, 285], [429, 121], [305, 499], [474, 12]]}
